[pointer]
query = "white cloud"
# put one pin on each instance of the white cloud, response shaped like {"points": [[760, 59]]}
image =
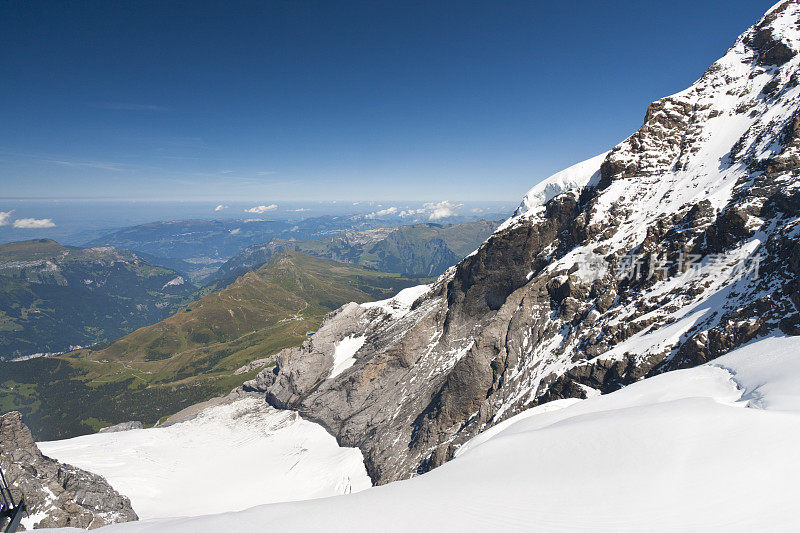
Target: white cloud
{"points": [[441, 210], [5, 217], [477, 210], [261, 208], [382, 213], [236, 231], [433, 210], [34, 223], [220, 207], [301, 210]]}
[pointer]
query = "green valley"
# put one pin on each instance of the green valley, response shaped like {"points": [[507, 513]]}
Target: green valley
{"points": [[54, 297], [192, 355]]}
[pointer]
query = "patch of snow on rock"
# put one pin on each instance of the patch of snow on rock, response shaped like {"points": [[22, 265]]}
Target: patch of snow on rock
{"points": [[399, 305], [344, 351]]}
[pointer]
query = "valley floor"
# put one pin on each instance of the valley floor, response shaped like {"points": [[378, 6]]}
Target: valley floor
{"points": [[713, 448]]}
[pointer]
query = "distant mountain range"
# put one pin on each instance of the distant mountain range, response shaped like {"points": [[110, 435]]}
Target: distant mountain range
{"points": [[421, 250], [198, 247], [54, 298], [222, 239]]}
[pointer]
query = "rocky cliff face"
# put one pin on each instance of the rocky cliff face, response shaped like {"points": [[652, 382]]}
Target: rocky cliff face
{"points": [[680, 244], [57, 495]]}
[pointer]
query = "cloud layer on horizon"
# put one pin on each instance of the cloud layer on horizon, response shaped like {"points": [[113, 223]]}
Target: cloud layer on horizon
{"points": [[431, 210], [259, 209], [382, 212], [34, 223], [441, 210]]}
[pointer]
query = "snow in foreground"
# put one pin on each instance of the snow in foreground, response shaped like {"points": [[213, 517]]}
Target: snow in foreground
{"points": [[229, 458], [712, 448]]}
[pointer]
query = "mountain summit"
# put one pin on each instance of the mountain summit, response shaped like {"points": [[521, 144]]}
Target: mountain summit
{"points": [[679, 245]]}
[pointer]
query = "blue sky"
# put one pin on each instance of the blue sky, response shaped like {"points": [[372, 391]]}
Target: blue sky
{"points": [[306, 100]]}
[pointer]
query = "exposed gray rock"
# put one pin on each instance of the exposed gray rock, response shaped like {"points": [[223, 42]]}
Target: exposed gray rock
{"points": [[252, 365], [57, 494], [124, 426]]}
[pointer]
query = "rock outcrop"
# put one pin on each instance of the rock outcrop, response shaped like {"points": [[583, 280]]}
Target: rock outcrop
{"points": [[124, 426], [57, 494]]}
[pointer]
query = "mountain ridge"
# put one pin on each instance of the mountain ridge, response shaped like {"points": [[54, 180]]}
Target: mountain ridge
{"points": [[643, 264]]}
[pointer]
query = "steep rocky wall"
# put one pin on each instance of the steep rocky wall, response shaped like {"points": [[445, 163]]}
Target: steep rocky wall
{"points": [[57, 494]]}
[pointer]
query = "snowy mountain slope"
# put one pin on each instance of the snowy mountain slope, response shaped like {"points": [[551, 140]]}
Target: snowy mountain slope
{"points": [[680, 245], [711, 448], [573, 178], [229, 458]]}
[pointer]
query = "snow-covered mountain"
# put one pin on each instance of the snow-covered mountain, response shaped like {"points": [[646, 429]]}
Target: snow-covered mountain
{"points": [[679, 245], [712, 448], [620, 355]]}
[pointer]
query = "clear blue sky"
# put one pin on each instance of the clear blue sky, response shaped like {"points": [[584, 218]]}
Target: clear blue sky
{"points": [[306, 100]]}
